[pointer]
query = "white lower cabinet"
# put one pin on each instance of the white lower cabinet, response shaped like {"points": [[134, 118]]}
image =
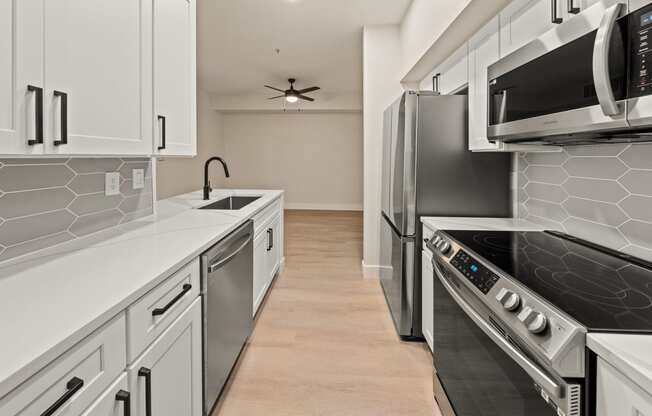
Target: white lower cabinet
{"points": [[617, 395], [427, 294], [267, 258], [115, 401], [260, 279], [167, 379]]}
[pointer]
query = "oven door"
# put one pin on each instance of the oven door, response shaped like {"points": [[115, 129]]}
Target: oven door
{"points": [[479, 372], [570, 81]]}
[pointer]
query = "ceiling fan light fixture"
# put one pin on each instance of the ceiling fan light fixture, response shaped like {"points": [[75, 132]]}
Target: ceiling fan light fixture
{"points": [[290, 98]]}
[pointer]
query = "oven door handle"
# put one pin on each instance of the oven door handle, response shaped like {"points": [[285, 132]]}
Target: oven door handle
{"points": [[601, 75], [533, 370]]}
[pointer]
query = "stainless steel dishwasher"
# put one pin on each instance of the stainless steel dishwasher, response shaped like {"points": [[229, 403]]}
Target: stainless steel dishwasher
{"points": [[227, 291]]}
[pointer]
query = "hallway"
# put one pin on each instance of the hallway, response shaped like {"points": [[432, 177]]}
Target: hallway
{"points": [[324, 343]]}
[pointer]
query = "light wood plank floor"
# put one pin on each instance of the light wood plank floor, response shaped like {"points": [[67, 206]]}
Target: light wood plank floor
{"points": [[324, 343]]}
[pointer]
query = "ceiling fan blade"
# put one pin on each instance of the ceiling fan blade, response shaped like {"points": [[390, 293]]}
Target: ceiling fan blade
{"points": [[303, 97], [311, 89], [278, 96], [274, 88]]}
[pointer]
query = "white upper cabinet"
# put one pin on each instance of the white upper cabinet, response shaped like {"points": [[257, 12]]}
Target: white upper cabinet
{"points": [[175, 77], [484, 50], [21, 77], [453, 73], [524, 20], [98, 53]]}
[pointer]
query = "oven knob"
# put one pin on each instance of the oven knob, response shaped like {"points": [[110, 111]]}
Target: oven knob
{"points": [[445, 247], [535, 322], [510, 300], [436, 240]]}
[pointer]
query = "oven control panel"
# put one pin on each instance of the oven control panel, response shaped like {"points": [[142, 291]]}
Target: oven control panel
{"points": [[481, 277]]}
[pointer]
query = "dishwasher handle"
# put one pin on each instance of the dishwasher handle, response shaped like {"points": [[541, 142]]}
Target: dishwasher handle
{"points": [[217, 263]]}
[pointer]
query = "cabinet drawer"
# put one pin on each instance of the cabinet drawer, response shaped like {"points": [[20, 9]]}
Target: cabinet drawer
{"points": [[266, 215], [618, 395], [96, 362], [108, 403], [151, 314]]}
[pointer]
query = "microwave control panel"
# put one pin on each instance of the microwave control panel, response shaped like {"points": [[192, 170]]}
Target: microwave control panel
{"points": [[640, 29]]}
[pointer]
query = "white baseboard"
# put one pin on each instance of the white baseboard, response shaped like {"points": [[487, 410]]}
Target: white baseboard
{"points": [[370, 271], [323, 207]]}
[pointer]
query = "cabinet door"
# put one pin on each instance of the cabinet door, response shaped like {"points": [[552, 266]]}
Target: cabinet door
{"points": [[453, 73], [21, 64], [172, 366], [113, 401], [484, 50], [524, 20], [98, 52], [427, 294], [260, 269], [273, 252], [617, 395], [175, 77]]}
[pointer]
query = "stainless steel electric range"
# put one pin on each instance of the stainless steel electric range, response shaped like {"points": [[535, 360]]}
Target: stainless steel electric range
{"points": [[512, 310]]}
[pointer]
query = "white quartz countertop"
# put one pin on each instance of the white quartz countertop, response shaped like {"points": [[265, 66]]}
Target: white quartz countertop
{"points": [[631, 354], [57, 297], [458, 223]]}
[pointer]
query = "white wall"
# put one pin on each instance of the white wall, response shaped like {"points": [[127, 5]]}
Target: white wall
{"points": [[423, 24], [181, 175], [315, 157], [381, 68]]}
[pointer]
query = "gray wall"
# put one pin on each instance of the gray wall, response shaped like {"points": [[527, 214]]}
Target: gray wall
{"points": [[44, 202], [601, 193]]}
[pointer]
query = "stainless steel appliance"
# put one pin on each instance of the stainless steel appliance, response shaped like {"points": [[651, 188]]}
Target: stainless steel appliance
{"points": [[227, 291], [584, 81], [512, 310], [428, 170]]}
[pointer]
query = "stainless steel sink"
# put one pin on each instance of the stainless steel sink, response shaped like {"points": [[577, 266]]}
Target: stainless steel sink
{"points": [[232, 203]]}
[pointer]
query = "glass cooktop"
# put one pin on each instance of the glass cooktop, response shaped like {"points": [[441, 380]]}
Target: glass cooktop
{"points": [[602, 291]]}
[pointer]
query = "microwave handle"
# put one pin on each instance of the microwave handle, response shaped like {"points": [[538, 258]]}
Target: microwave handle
{"points": [[533, 370], [601, 61]]}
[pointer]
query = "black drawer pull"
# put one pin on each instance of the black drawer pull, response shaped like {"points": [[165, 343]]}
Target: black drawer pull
{"points": [[555, 17], [64, 118], [269, 239], [147, 374], [163, 134], [125, 398], [38, 115], [161, 311], [73, 386], [571, 8]]}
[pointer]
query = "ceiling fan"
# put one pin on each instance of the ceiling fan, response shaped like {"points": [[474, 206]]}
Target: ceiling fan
{"points": [[291, 95]]}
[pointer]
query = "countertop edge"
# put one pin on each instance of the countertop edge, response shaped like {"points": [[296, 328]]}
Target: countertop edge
{"points": [[42, 361]]}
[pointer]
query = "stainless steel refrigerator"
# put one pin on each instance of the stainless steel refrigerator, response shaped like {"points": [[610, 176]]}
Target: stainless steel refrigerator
{"points": [[429, 171]]}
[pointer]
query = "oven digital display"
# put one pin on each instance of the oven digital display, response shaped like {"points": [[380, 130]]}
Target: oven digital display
{"points": [[481, 277], [646, 19]]}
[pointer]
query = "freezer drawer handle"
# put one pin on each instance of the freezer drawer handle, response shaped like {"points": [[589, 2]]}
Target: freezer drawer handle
{"points": [[161, 311], [147, 374], [125, 398], [216, 265], [533, 370], [72, 387]]}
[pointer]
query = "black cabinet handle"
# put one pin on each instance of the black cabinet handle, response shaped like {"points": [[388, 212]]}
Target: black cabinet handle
{"points": [[555, 18], [72, 387], [269, 239], [271, 232], [435, 82], [147, 374], [161, 311], [162, 119], [64, 118], [38, 115], [571, 8], [125, 398]]}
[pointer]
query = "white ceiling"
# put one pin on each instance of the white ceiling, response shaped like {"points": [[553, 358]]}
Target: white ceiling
{"points": [[320, 42]]}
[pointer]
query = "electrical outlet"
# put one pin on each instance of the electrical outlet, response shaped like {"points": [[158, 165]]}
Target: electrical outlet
{"points": [[138, 178], [112, 183]]}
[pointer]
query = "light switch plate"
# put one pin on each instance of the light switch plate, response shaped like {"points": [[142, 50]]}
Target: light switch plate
{"points": [[138, 178], [112, 183]]}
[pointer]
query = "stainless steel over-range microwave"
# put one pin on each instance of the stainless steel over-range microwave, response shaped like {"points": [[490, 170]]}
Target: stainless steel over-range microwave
{"points": [[586, 80]]}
